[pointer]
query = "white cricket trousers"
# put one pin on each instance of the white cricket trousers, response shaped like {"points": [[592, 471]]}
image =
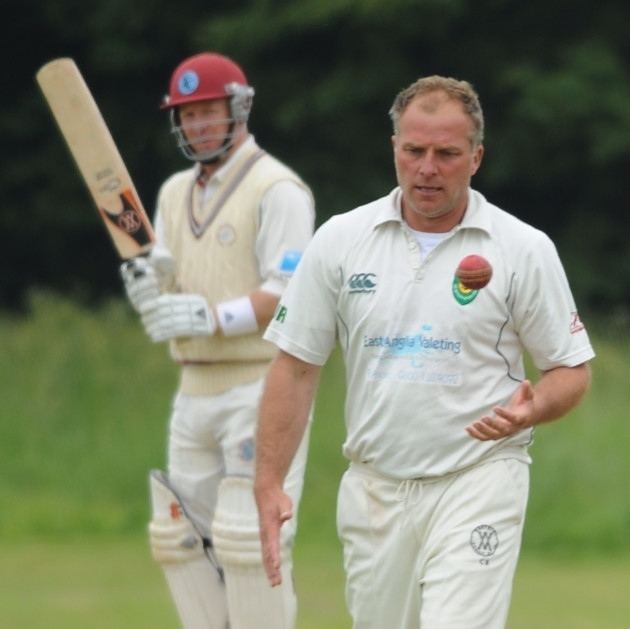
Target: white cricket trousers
{"points": [[436, 554], [212, 437]]}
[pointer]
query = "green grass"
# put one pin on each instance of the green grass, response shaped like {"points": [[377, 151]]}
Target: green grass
{"points": [[103, 584], [584, 593], [85, 402], [579, 499], [86, 399], [84, 410]]}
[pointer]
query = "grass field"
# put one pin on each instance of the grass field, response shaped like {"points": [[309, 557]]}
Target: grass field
{"points": [[83, 419], [106, 584]]}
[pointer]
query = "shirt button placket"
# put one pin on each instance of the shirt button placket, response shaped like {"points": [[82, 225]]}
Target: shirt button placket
{"points": [[414, 257]]}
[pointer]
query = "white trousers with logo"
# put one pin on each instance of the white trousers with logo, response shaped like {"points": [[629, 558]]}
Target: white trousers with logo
{"points": [[438, 554], [211, 469], [213, 437]]}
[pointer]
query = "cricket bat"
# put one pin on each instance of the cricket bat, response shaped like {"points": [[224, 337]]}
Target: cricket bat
{"points": [[96, 156]]}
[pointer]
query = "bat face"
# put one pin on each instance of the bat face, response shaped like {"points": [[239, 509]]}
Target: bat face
{"points": [[96, 157], [130, 220]]}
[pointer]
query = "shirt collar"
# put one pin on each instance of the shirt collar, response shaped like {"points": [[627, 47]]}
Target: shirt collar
{"points": [[476, 216], [391, 210]]}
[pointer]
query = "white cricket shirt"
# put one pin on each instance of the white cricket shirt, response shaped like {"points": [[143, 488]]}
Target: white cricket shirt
{"points": [[424, 356]]}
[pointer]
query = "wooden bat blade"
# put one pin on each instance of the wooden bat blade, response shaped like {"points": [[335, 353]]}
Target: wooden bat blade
{"points": [[96, 156]]}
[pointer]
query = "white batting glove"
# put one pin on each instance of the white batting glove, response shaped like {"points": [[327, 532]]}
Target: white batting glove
{"points": [[172, 315], [140, 281], [145, 278], [164, 264]]}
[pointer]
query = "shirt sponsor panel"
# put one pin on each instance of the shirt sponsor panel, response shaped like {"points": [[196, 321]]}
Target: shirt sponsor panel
{"points": [[429, 355]]}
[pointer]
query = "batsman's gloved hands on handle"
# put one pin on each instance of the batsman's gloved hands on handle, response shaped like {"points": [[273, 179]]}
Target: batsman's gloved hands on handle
{"points": [[172, 315], [140, 281], [144, 278]]}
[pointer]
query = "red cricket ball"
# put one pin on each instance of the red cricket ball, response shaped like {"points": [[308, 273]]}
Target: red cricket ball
{"points": [[474, 272]]}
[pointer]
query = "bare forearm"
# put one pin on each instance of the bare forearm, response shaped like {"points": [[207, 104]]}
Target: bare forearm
{"points": [[553, 396], [559, 391], [284, 412], [264, 305]]}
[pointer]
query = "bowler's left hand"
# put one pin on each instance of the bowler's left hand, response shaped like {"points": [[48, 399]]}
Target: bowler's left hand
{"points": [[516, 416]]}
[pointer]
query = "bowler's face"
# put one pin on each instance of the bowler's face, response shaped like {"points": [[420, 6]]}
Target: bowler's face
{"points": [[435, 162]]}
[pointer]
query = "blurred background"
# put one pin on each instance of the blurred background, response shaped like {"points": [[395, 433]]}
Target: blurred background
{"points": [[553, 78], [85, 396]]}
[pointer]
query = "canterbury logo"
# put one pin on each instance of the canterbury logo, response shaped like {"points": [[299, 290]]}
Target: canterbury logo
{"points": [[362, 283]]}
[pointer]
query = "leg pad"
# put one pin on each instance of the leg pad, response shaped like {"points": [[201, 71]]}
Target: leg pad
{"points": [[252, 602], [191, 571]]}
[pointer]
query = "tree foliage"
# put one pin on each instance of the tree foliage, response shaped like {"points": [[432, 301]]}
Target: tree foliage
{"points": [[553, 79]]}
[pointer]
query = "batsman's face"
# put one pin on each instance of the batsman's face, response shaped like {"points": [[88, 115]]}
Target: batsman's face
{"points": [[205, 124], [435, 161]]}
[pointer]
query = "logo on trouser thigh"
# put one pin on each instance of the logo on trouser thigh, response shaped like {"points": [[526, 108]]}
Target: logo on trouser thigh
{"points": [[484, 541], [246, 449]]}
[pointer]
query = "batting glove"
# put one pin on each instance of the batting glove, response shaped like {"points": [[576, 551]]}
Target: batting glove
{"points": [[173, 315], [164, 264], [140, 281], [145, 278]]}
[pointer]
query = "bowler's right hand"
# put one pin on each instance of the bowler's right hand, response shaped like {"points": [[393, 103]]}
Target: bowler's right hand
{"points": [[274, 509]]}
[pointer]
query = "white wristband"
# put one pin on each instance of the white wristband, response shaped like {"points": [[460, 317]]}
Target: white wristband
{"points": [[237, 317]]}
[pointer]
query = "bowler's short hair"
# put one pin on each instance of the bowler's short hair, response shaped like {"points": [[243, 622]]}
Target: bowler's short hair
{"points": [[454, 89]]}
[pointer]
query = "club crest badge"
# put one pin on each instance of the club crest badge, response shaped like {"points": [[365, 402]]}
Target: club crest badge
{"points": [[484, 540], [188, 82], [226, 234], [462, 294]]}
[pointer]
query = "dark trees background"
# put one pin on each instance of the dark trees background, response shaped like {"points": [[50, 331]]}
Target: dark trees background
{"points": [[554, 79]]}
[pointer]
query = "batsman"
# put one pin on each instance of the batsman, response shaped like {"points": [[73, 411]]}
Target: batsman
{"points": [[230, 230]]}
